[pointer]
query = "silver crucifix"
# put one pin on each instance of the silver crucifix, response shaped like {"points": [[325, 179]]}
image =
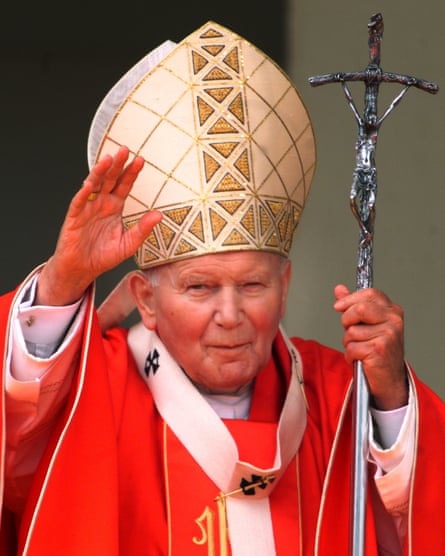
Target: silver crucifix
{"points": [[362, 201]]}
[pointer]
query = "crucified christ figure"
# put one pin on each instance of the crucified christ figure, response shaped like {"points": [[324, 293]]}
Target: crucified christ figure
{"points": [[364, 186]]}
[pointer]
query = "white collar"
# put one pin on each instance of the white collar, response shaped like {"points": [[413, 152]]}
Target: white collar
{"points": [[210, 443]]}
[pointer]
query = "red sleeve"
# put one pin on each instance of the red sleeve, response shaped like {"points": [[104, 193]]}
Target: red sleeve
{"points": [[428, 494]]}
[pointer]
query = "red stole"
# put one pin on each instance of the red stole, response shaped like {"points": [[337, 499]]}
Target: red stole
{"points": [[196, 511]]}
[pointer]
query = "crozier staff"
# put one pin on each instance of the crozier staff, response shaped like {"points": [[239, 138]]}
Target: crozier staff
{"points": [[203, 429], [362, 202]]}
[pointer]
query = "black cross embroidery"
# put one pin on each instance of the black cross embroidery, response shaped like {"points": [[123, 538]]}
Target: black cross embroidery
{"points": [[248, 487], [152, 362]]}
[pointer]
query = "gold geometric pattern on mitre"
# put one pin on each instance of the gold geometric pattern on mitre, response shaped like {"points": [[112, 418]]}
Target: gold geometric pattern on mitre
{"points": [[228, 147]]}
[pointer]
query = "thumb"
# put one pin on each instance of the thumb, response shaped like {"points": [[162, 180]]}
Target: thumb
{"points": [[341, 291], [137, 234]]}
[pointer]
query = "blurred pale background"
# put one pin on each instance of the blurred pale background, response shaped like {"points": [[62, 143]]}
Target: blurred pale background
{"points": [[58, 61]]}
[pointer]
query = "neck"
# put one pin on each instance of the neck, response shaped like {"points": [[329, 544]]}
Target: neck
{"points": [[236, 393]]}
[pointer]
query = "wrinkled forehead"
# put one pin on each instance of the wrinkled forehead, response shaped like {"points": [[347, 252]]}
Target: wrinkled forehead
{"points": [[236, 262]]}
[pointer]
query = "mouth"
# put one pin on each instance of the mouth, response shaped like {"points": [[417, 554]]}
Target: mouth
{"points": [[229, 345], [229, 348]]}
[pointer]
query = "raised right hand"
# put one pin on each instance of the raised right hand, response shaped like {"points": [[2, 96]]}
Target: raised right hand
{"points": [[92, 239]]}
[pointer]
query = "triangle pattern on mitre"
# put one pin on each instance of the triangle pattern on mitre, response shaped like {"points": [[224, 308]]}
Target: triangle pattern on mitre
{"points": [[217, 223], [236, 238]]}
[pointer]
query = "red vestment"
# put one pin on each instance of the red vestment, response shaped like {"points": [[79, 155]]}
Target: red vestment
{"points": [[116, 481]]}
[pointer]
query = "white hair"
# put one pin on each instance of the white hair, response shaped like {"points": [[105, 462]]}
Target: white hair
{"points": [[153, 276]]}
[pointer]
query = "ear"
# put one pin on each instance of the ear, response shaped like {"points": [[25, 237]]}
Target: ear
{"points": [[142, 292], [285, 284]]}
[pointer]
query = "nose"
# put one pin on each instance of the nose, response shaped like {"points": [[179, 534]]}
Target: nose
{"points": [[228, 307]]}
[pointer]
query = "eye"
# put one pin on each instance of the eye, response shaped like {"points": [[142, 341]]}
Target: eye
{"points": [[198, 289], [253, 286]]}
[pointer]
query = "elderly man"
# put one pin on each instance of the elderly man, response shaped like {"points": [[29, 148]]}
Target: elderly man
{"points": [[203, 429]]}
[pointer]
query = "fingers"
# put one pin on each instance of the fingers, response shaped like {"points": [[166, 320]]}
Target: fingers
{"points": [[99, 171], [128, 177], [110, 175], [358, 300], [373, 327], [377, 342], [118, 173], [374, 330], [368, 313]]}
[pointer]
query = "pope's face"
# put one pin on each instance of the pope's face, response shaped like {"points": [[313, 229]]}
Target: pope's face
{"points": [[218, 314]]}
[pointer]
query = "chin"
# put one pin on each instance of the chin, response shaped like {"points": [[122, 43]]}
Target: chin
{"points": [[224, 377], [228, 386]]}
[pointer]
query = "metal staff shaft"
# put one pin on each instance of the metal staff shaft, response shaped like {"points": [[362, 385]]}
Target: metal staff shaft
{"points": [[362, 202]]}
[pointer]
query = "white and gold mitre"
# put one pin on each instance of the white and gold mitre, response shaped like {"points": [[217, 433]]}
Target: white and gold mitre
{"points": [[228, 145]]}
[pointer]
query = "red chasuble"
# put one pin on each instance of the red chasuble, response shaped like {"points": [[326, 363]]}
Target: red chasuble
{"points": [[115, 480]]}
